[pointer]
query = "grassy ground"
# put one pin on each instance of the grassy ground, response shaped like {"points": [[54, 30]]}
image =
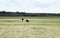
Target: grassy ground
{"points": [[38, 27]]}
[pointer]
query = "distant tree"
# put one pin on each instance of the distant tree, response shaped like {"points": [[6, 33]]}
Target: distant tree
{"points": [[3, 11], [17, 12]]}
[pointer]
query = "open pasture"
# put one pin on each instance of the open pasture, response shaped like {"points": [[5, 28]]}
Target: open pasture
{"points": [[38, 27]]}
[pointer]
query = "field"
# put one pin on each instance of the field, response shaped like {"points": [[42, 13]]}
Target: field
{"points": [[38, 27]]}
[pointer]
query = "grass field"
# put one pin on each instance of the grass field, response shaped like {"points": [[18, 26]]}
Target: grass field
{"points": [[38, 27]]}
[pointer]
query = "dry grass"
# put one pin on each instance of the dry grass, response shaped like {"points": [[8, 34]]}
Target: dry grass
{"points": [[36, 28]]}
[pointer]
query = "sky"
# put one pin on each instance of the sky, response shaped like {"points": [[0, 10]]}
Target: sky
{"points": [[31, 6]]}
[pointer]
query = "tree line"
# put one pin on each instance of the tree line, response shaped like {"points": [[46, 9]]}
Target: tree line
{"points": [[4, 13]]}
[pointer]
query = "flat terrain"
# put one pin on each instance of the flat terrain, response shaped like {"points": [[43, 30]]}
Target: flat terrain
{"points": [[38, 27]]}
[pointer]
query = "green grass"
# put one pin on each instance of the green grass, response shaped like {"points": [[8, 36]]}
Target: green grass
{"points": [[38, 27]]}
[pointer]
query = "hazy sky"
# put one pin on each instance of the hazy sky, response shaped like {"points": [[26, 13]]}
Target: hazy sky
{"points": [[39, 6]]}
